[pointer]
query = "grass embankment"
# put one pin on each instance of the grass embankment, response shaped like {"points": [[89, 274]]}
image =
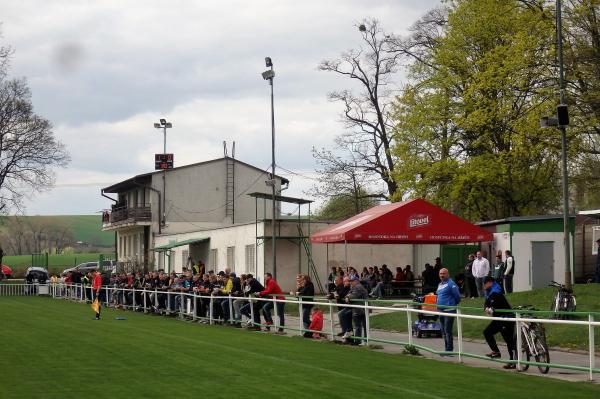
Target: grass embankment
{"points": [[56, 263], [151, 357], [573, 337], [86, 228]]}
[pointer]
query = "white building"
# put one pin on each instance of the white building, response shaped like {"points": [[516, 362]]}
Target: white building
{"points": [[199, 196]]}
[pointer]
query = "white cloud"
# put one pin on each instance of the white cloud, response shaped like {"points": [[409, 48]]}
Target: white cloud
{"points": [[104, 71]]}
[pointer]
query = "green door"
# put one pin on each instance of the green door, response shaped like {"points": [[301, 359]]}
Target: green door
{"points": [[454, 257]]}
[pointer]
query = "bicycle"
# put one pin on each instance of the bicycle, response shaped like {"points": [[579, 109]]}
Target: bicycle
{"points": [[533, 341], [564, 301]]}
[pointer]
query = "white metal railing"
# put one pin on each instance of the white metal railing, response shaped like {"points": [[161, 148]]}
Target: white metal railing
{"points": [[185, 305]]}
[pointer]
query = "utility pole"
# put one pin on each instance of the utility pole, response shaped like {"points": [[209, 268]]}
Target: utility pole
{"points": [[563, 121], [270, 75]]}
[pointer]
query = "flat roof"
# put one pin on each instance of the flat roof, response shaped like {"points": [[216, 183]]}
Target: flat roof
{"points": [[281, 198], [517, 219], [139, 179], [172, 245], [591, 212]]}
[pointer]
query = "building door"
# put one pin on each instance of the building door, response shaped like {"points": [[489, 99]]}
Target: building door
{"points": [[542, 263], [454, 257]]}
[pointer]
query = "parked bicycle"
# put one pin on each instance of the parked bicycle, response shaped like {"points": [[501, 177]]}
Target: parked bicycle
{"points": [[564, 301], [533, 341]]}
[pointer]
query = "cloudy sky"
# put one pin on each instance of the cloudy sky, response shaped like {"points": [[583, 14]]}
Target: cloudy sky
{"points": [[104, 71]]}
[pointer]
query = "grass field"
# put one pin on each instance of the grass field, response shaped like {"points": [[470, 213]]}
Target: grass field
{"points": [[56, 263], [150, 357], [574, 337], [86, 228]]}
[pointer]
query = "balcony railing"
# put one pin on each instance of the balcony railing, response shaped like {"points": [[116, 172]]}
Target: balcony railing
{"points": [[125, 214]]}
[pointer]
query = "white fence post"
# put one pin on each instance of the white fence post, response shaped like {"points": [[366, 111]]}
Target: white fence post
{"points": [[144, 294], [210, 309], [519, 340], [251, 301], [460, 336], [592, 347], [301, 313], [276, 313], [367, 333], [409, 324], [332, 331]]}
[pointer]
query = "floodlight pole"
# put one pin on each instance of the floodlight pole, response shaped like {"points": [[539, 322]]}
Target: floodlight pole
{"points": [[163, 124], [563, 131], [270, 78]]}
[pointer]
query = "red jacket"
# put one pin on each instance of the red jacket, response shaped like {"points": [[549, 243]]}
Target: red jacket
{"points": [[317, 322], [272, 288], [97, 284]]}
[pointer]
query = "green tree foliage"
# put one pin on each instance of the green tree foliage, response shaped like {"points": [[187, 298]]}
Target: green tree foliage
{"points": [[582, 59], [467, 134], [343, 206]]}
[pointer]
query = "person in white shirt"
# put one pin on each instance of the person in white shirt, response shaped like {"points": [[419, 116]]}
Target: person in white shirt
{"points": [[481, 269]]}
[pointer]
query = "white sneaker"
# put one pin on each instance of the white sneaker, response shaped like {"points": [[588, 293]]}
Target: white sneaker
{"points": [[347, 335]]}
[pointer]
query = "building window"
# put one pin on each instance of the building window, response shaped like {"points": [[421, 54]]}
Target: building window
{"points": [[214, 259], [231, 258], [251, 259]]}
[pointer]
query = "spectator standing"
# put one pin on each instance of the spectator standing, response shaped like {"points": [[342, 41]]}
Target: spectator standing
{"points": [[274, 292], [481, 269], [509, 271], [430, 280], [306, 290], [470, 287], [498, 272], [437, 266], [494, 301], [409, 276], [97, 288], [357, 293], [448, 294]]}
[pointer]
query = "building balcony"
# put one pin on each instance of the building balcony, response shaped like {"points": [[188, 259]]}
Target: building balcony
{"points": [[123, 216]]}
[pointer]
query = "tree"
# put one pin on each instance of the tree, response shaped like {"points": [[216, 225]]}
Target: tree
{"points": [[368, 140], [28, 148], [343, 178], [340, 207], [582, 64], [467, 132]]}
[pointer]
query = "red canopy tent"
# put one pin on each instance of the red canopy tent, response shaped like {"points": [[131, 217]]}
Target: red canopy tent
{"points": [[410, 222]]}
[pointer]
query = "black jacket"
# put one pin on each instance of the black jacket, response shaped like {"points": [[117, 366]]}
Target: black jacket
{"points": [[253, 287], [498, 301]]}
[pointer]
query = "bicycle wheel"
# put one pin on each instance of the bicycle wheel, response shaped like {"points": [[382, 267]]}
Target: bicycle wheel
{"points": [[571, 304], [543, 355], [526, 355]]}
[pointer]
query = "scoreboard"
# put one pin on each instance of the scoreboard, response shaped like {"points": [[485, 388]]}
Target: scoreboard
{"points": [[163, 161]]}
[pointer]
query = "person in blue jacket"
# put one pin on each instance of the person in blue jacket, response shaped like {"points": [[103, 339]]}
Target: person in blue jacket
{"points": [[448, 294]]}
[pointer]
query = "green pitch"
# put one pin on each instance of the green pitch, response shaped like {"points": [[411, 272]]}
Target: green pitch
{"points": [[53, 349]]}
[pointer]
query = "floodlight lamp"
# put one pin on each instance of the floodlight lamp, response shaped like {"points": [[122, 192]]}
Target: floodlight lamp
{"points": [[268, 62], [362, 28], [163, 121], [157, 125], [168, 125], [269, 74]]}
